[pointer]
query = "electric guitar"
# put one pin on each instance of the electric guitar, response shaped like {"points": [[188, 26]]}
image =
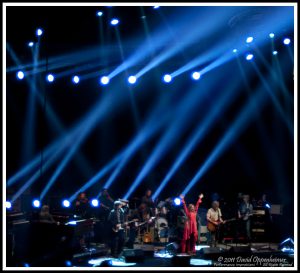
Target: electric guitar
{"points": [[212, 227], [121, 226]]}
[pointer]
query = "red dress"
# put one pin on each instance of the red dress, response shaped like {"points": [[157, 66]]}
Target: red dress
{"points": [[190, 227]]}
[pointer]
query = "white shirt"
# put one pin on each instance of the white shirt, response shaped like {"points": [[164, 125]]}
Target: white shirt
{"points": [[214, 215]]}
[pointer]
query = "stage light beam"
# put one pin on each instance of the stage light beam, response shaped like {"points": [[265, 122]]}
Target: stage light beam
{"points": [[275, 52], [95, 203], [114, 22], [39, 32], [76, 79], [249, 40], [272, 35], [132, 79], [287, 41], [249, 57], [104, 80], [99, 13], [167, 78], [30, 44], [8, 205], [50, 78], [234, 50], [20, 75], [36, 203], [66, 203], [177, 201], [196, 76]]}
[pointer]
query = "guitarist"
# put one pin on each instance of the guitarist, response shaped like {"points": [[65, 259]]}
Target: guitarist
{"points": [[116, 219], [245, 212], [214, 219]]}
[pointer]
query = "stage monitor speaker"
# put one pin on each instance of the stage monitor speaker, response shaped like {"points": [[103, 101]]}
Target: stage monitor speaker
{"points": [[240, 250], [172, 248], [181, 260], [133, 255], [211, 253]]}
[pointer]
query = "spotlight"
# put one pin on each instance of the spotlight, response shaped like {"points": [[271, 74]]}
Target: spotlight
{"points": [[132, 79], [66, 203], [287, 41], [76, 79], [167, 78], [249, 57], [104, 80], [30, 44], [177, 201], [271, 35], [68, 263], [234, 51], [156, 7], [114, 22], [196, 76], [287, 246], [275, 52], [267, 206], [95, 203], [36, 203], [20, 75], [8, 205], [249, 40], [50, 78], [99, 13], [39, 32], [26, 265]]}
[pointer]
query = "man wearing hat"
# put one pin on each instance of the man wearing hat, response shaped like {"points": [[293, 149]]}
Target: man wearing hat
{"points": [[116, 219]]}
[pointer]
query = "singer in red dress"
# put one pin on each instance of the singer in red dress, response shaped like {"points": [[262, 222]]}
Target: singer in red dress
{"points": [[190, 232]]}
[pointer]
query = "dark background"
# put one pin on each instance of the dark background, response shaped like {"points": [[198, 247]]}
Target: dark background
{"points": [[249, 165]]}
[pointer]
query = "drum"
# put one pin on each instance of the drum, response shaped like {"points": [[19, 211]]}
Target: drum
{"points": [[162, 228]]}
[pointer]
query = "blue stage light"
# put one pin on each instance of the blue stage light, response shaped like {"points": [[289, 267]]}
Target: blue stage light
{"points": [[76, 79], [156, 7], [275, 52], [249, 57], [39, 32], [167, 78], [30, 44], [20, 75], [50, 78], [36, 203], [177, 201], [271, 35], [66, 203], [287, 41], [26, 265], [68, 263], [196, 75], [104, 80], [267, 206], [95, 203], [132, 79], [114, 22], [249, 40], [8, 205], [234, 50], [99, 13]]}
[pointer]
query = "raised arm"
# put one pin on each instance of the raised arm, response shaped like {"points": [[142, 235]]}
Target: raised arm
{"points": [[199, 202], [184, 205]]}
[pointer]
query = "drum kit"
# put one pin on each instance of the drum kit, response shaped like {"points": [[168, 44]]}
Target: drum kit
{"points": [[154, 228]]}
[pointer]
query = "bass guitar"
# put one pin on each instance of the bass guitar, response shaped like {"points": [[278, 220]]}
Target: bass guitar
{"points": [[212, 227], [121, 226]]}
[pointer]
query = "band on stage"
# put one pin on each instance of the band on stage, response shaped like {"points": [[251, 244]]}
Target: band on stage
{"points": [[143, 220]]}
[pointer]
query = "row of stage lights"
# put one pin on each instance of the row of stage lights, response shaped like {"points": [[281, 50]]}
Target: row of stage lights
{"points": [[167, 78], [66, 203]]}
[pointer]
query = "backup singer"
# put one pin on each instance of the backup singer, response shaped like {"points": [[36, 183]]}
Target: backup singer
{"points": [[245, 212], [190, 232]]}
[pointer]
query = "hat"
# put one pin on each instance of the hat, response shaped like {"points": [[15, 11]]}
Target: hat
{"points": [[117, 203]]}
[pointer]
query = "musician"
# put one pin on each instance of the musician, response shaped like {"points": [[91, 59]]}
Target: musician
{"points": [[190, 232], [147, 199], [116, 219], [82, 205], [106, 202], [45, 215], [214, 219], [244, 213]]}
